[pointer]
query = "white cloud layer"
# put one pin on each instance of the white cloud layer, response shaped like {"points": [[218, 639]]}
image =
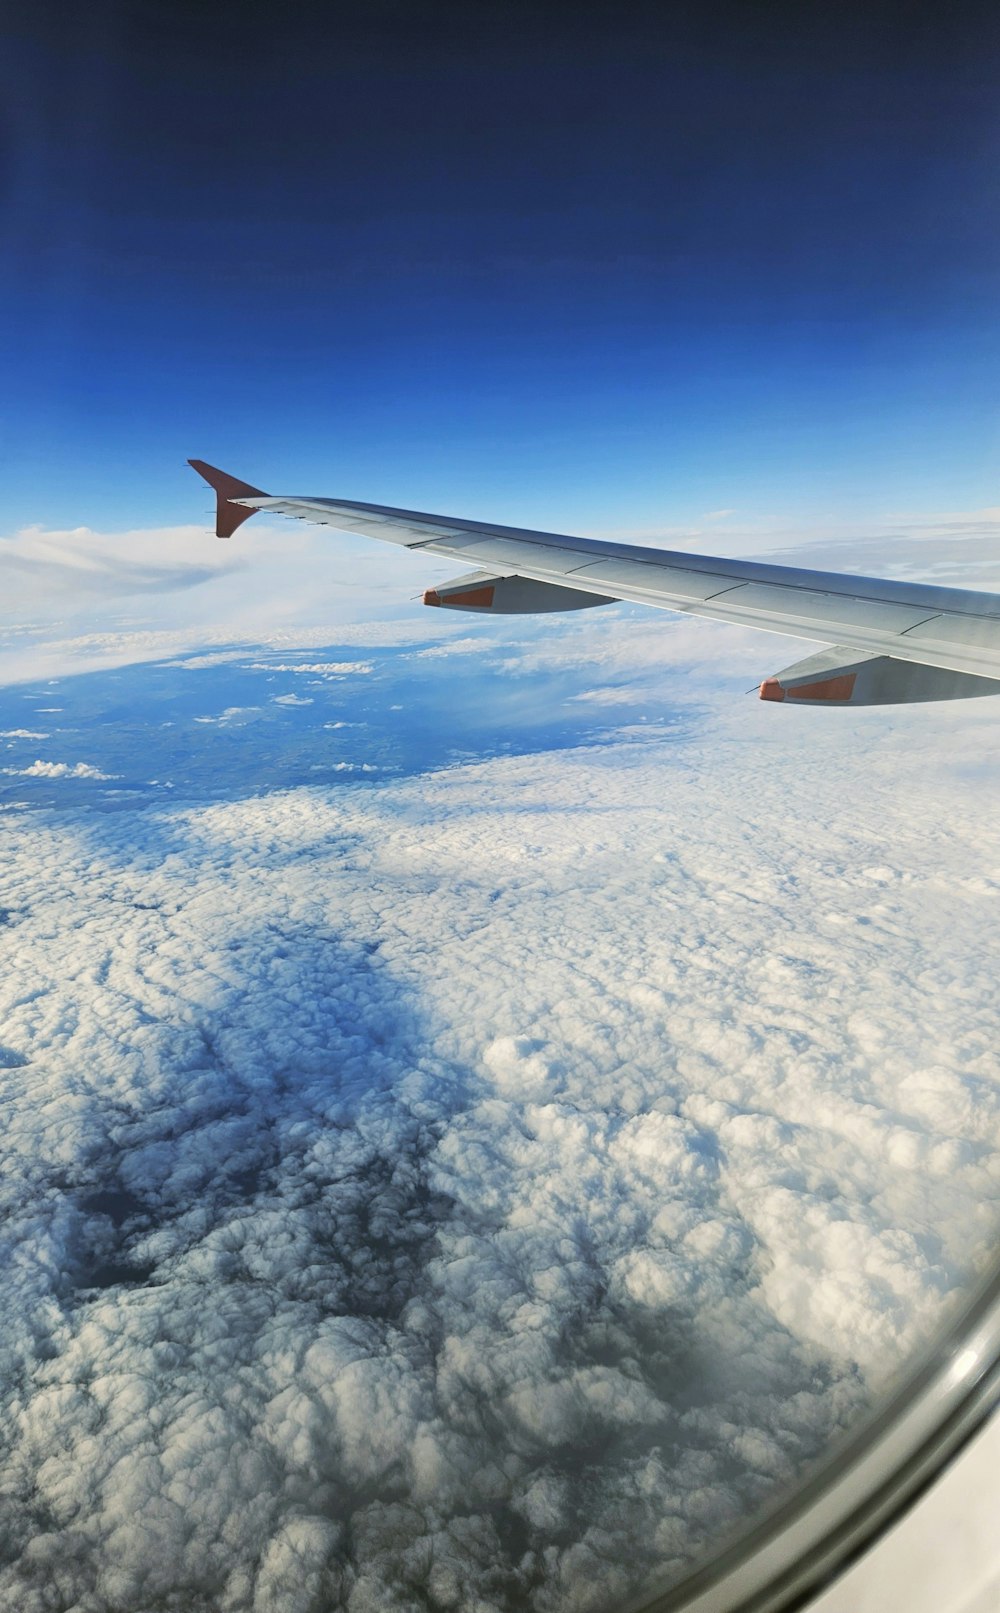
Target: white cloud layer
{"points": [[475, 1189]]}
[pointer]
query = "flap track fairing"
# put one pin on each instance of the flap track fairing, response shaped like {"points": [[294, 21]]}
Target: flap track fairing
{"points": [[510, 596], [842, 677]]}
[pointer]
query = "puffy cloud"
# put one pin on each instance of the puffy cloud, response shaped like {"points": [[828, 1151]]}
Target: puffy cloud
{"points": [[40, 769], [483, 1186], [479, 1188]]}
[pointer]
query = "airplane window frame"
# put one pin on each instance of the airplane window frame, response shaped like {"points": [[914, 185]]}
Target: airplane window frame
{"points": [[796, 1548]]}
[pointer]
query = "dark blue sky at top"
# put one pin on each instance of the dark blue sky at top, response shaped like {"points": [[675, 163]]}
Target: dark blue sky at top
{"points": [[575, 267]]}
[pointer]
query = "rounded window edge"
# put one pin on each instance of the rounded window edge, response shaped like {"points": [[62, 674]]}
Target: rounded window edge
{"points": [[813, 1532]]}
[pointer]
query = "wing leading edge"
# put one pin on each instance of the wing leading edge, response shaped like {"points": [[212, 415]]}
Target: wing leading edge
{"points": [[911, 630]]}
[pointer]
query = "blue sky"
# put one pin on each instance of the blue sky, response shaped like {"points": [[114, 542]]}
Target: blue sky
{"points": [[612, 276]]}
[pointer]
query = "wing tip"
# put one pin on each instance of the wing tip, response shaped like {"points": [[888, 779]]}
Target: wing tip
{"points": [[228, 516]]}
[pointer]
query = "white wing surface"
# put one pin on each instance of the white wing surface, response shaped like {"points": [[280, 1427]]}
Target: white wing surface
{"points": [[951, 631]]}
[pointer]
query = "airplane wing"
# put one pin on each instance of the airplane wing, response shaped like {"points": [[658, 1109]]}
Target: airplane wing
{"points": [[889, 641]]}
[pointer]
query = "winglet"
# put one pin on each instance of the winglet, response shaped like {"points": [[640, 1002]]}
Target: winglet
{"points": [[228, 516]]}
